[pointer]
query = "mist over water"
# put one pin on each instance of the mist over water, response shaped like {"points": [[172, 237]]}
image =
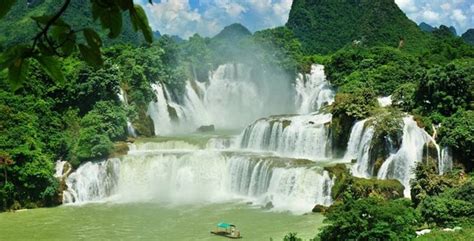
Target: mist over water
{"points": [[275, 162], [234, 96]]}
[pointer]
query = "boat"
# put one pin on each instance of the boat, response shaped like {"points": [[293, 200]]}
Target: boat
{"points": [[227, 230]]}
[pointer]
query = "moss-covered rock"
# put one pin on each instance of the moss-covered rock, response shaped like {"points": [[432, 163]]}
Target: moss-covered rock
{"points": [[341, 175], [173, 114], [144, 124], [430, 154], [120, 149], [387, 189], [345, 183], [319, 209], [340, 130]]}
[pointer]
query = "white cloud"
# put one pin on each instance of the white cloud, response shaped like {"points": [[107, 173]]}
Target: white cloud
{"points": [[407, 5], [446, 6], [430, 16], [459, 17], [177, 17], [436, 12]]}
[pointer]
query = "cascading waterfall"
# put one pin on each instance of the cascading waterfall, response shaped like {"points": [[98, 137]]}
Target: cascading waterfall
{"points": [[159, 112], [130, 129], [358, 148], [313, 90], [298, 136], [446, 161], [232, 92], [305, 136], [199, 176], [400, 162], [274, 159]]}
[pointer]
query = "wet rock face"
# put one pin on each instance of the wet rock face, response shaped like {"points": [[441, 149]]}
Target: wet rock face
{"points": [[430, 153], [208, 128], [319, 209]]}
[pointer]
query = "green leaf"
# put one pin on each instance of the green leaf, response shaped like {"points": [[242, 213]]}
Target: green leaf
{"points": [[111, 19], [44, 19], [11, 54], [92, 38], [44, 49], [92, 56], [140, 22], [6, 5], [126, 4], [52, 67], [17, 72], [69, 46]]}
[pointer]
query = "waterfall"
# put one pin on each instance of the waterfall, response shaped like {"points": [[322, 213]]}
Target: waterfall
{"points": [[313, 90], [233, 97], [200, 176], [400, 162], [446, 161], [130, 129], [400, 166], [305, 136], [159, 112], [385, 101], [358, 149]]}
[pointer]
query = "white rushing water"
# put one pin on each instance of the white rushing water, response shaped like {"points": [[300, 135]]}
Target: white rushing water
{"points": [[313, 91], [446, 162], [232, 98], [305, 136], [130, 129], [358, 149], [200, 176], [400, 163], [385, 101]]}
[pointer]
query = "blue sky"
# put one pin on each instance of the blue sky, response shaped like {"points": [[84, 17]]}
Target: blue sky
{"points": [[208, 17]]}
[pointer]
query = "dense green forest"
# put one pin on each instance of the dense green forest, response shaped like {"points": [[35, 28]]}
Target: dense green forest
{"points": [[429, 75]]}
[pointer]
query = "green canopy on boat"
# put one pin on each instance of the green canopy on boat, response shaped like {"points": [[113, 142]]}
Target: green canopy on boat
{"points": [[225, 225]]}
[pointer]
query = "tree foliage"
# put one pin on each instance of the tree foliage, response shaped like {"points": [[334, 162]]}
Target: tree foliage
{"points": [[57, 38], [370, 219]]}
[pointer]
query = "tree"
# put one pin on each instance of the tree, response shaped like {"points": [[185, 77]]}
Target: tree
{"points": [[457, 132], [56, 38], [370, 219]]}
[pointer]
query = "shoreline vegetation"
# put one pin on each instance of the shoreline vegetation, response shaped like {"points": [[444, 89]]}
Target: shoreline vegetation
{"points": [[61, 102]]}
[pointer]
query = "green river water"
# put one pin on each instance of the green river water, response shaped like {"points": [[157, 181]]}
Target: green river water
{"points": [[152, 221]]}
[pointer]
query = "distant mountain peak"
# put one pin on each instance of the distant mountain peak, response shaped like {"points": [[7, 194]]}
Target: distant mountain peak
{"points": [[326, 26], [234, 31], [426, 27], [468, 36]]}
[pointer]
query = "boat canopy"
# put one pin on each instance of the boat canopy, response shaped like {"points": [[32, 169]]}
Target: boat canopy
{"points": [[225, 225]]}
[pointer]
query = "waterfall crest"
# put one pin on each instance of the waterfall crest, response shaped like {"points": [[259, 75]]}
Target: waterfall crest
{"points": [[313, 91], [305, 136]]}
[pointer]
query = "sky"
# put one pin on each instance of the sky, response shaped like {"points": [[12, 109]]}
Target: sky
{"points": [[209, 17]]}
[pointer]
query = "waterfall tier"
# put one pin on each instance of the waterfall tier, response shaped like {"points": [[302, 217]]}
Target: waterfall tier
{"points": [[400, 162], [305, 136], [313, 91], [234, 96], [201, 176]]}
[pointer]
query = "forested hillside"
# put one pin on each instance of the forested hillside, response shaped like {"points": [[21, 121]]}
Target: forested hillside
{"points": [[326, 26]]}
